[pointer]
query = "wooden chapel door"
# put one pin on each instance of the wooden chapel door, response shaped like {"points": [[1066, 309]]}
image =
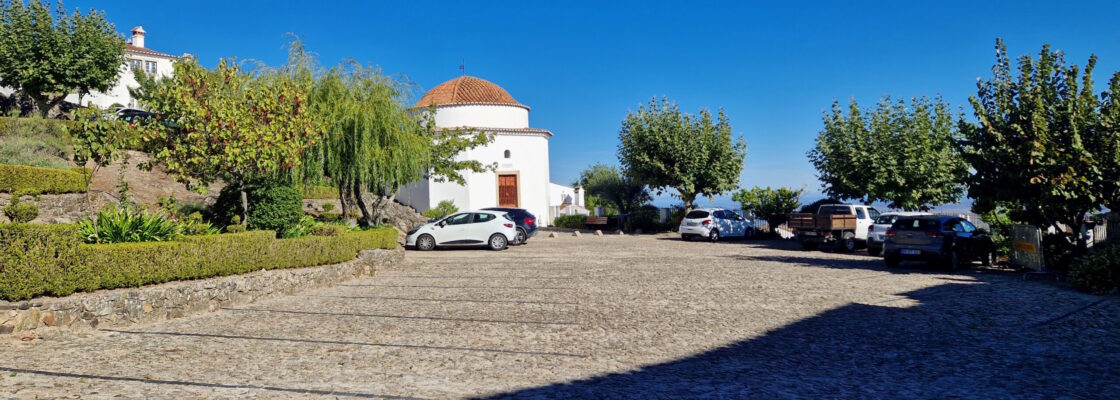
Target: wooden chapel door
{"points": [[507, 190]]}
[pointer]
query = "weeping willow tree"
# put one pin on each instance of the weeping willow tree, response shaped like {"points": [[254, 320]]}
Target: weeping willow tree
{"points": [[373, 144]]}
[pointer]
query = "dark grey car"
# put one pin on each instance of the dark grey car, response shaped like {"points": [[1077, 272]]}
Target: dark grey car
{"points": [[948, 240]]}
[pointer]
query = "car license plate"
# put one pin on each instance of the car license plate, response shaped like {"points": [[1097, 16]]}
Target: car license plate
{"points": [[810, 233], [691, 223], [911, 252]]}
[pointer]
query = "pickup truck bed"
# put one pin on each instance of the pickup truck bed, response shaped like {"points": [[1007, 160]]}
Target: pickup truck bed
{"points": [[822, 222]]}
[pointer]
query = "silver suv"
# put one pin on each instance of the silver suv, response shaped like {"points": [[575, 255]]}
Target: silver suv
{"points": [[714, 223]]}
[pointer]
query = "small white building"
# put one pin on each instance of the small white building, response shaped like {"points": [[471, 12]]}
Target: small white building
{"points": [[137, 58], [519, 151]]}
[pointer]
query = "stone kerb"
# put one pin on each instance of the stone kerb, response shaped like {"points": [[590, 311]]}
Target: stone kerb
{"points": [[47, 317]]}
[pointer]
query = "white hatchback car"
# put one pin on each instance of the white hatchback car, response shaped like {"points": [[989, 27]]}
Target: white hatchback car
{"points": [[714, 223], [488, 228]]}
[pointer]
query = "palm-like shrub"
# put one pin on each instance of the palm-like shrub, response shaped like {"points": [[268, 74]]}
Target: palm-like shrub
{"points": [[128, 224]]}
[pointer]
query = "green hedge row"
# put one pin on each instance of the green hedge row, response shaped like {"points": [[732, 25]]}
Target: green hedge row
{"points": [[36, 180], [51, 260]]}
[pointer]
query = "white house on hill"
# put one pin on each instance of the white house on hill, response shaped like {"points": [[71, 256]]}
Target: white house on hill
{"points": [[519, 151]]}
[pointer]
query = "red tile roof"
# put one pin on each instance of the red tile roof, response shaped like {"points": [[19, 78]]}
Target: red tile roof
{"points": [[466, 90], [128, 48]]}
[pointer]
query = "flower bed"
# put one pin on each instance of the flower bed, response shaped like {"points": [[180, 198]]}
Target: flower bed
{"points": [[51, 260]]}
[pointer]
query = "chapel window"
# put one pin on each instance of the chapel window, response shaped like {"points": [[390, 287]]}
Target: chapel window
{"points": [[507, 153]]}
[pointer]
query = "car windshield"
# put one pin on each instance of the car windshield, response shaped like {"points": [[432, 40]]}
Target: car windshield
{"points": [[916, 224], [835, 210], [886, 219], [697, 214]]}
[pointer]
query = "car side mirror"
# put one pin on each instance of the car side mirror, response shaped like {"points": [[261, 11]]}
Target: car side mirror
{"points": [[442, 223]]}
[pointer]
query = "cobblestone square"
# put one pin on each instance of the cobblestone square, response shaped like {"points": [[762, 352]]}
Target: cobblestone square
{"points": [[611, 317]]}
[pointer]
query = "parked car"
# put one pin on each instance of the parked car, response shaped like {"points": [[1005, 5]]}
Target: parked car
{"points": [[949, 240], [877, 233], [135, 117], [493, 229], [713, 224], [843, 225], [526, 222]]}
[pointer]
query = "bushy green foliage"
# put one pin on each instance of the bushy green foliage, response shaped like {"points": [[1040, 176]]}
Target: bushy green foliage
{"points": [[35, 142], [613, 189], [666, 149], [17, 211], [128, 225], [898, 153], [328, 230], [193, 225], [1098, 272], [772, 205], [50, 260], [36, 180], [675, 218], [276, 208], [330, 217], [812, 208], [570, 221], [327, 207], [443, 209], [646, 218], [301, 228]]}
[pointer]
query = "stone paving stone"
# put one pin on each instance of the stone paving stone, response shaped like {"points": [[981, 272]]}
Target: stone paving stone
{"points": [[611, 317]]}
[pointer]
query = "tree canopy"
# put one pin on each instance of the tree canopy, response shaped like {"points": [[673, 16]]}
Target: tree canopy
{"points": [[619, 191], [667, 149], [1045, 146], [231, 124], [47, 56], [772, 205], [904, 155]]}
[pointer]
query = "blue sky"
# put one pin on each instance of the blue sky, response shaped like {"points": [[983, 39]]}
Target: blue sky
{"points": [[772, 66]]}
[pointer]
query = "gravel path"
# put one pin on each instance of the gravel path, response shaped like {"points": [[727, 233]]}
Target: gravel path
{"points": [[600, 317]]}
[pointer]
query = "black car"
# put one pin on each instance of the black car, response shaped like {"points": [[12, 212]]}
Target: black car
{"points": [[949, 240], [526, 222]]}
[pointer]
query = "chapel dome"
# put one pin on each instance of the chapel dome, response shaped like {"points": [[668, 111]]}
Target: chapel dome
{"points": [[467, 90]]}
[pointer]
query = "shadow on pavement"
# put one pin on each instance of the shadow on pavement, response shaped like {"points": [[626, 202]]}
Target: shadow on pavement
{"points": [[953, 340]]}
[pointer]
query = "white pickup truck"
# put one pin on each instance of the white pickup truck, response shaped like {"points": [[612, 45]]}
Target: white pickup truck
{"points": [[844, 225]]}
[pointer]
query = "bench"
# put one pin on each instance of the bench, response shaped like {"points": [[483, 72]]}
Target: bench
{"points": [[595, 221]]}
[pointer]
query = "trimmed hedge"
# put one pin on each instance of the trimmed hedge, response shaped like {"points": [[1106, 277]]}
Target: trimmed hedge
{"points": [[1098, 272], [51, 260], [36, 180], [570, 221]]}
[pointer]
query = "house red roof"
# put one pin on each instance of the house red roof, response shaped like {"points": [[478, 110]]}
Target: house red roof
{"points": [[128, 48], [466, 90]]}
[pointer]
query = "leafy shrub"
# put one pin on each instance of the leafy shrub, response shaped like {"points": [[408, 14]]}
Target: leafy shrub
{"points": [[330, 217], [301, 228], [647, 218], [328, 230], [51, 260], [127, 225], [235, 225], [35, 180], [675, 218], [570, 221], [194, 225], [21, 212], [327, 207], [1098, 272], [276, 208], [443, 209]]}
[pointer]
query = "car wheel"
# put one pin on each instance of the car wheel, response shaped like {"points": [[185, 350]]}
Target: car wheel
{"points": [[713, 235], [874, 251], [425, 243], [686, 238], [989, 258], [953, 260], [522, 237], [498, 241], [848, 242], [892, 262]]}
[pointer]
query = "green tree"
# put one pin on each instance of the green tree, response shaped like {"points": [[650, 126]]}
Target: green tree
{"points": [[613, 189], [445, 163], [899, 154], [695, 155], [443, 209], [1105, 145], [1031, 150], [47, 56], [230, 124], [772, 205], [373, 144], [97, 139]]}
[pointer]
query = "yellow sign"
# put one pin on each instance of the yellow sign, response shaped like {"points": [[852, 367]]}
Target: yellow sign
{"points": [[1025, 247]]}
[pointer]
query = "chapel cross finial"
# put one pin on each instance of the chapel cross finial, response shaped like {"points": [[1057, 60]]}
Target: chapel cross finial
{"points": [[463, 67]]}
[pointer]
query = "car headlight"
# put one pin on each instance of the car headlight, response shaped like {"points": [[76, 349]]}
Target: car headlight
{"points": [[414, 230]]}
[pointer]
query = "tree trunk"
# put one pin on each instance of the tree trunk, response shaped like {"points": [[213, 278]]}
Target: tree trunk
{"points": [[345, 205], [244, 206], [688, 202], [362, 204], [45, 104]]}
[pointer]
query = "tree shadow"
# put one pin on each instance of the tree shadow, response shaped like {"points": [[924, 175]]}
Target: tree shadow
{"points": [[953, 340]]}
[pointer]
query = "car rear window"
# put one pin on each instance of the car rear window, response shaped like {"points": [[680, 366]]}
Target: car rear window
{"points": [[886, 219], [916, 224], [835, 210], [696, 214]]}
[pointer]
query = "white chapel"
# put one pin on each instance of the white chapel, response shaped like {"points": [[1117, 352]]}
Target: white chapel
{"points": [[519, 151]]}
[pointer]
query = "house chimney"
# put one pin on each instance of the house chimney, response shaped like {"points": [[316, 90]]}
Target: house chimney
{"points": [[138, 36]]}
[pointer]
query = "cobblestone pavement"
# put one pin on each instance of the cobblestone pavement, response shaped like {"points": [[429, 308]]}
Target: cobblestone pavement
{"points": [[597, 317]]}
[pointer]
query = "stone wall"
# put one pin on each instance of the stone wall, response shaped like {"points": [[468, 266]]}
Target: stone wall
{"points": [[121, 307], [402, 217], [63, 208]]}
